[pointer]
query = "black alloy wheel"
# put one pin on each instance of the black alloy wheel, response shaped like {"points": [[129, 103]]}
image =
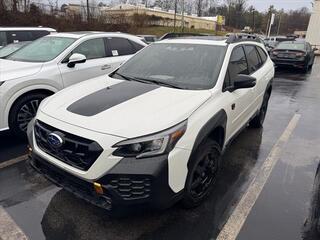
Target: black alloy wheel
{"points": [[203, 173]]}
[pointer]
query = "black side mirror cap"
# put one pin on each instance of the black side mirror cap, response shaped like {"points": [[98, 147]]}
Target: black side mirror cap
{"points": [[244, 81]]}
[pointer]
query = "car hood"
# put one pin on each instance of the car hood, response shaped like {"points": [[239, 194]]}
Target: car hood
{"points": [[123, 108], [10, 70]]}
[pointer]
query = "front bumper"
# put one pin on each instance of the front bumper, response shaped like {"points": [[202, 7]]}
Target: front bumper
{"points": [[130, 182]]}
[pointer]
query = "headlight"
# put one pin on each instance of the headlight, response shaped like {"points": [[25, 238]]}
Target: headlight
{"points": [[151, 145]]}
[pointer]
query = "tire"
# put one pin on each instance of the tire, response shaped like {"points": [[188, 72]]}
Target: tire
{"points": [[203, 172], [257, 121], [306, 69], [311, 66], [23, 110]]}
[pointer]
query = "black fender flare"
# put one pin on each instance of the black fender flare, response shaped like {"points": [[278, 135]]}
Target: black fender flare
{"points": [[218, 120]]}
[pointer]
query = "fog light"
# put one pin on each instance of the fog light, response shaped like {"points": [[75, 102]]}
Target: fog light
{"points": [[98, 188]]}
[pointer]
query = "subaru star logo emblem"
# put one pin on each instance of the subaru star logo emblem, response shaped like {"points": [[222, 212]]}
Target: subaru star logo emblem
{"points": [[55, 140]]}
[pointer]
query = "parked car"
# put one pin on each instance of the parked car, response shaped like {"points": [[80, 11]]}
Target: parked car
{"points": [[272, 42], [152, 132], [11, 48], [245, 36], [298, 54], [21, 34], [149, 38], [53, 62], [180, 34]]}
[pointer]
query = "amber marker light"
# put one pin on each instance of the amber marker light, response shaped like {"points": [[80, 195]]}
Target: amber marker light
{"points": [[98, 188]]}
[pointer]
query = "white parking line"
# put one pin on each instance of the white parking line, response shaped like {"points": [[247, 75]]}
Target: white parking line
{"points": [[235, 222], [9, 229], [13, 161]]}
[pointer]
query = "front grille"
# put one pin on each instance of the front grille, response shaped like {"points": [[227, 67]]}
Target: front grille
{"points": [[76, 151], [131, 187]]}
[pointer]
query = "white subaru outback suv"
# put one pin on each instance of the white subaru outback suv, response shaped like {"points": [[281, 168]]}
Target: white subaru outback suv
{"points": [[52, 63], [152, 132]]}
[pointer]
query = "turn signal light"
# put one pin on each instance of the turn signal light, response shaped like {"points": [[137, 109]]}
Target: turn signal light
{"points": [[98, 188]]}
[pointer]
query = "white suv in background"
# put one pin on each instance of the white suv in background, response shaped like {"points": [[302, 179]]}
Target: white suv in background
{"points": [[152, 132], [52, 63]]}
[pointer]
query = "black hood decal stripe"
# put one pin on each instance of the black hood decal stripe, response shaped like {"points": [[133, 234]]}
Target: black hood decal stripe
{"points": [[109, 97]]}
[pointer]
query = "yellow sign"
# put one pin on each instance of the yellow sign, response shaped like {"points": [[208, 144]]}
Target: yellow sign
{"points": [[220, 20]]}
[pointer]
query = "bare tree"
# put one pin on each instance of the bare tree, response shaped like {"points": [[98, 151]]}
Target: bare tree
{"points": [[199, 7]]}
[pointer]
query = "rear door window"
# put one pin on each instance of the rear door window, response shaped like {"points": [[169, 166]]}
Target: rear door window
{"points": [[137, 46], [120, 46], [254, 61], [263, 55]]}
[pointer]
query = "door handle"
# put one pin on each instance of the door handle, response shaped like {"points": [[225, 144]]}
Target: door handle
{"points": [[105, 67], [233, 106]]}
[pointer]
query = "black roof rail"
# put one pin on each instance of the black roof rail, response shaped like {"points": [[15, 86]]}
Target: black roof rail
{"points": [[242, 37]]}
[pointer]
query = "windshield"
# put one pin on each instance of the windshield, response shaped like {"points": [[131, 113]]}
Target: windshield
{"points": [[291, 46], [188, 66], [7, 50], [42, 50]]}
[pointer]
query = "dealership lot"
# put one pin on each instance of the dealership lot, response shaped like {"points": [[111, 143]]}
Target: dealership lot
{"points": [[282, 210]]}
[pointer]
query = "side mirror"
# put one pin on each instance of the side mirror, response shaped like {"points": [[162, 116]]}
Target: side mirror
{"points": [[76, 58], [244, 81]]}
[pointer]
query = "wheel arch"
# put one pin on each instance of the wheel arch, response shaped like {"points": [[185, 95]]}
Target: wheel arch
{"points": [[23, 92], [214, 128]]}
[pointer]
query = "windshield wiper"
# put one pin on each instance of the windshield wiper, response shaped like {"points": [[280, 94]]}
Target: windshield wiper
{"points": [[128, 78], [147, 80]]}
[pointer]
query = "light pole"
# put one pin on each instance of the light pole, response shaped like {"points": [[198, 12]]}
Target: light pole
{"points": [[253, 20], [278, 31], [88, 11]]}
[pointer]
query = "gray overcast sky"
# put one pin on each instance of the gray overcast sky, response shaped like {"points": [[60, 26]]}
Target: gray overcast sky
{"points": [[260, 5], [285, 4]]}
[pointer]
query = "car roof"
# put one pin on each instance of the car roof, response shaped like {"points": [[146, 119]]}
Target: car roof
{"points": [[197, 40], [146, 35], [209, 40], [27, 29], [81, 34], [295, 41]]}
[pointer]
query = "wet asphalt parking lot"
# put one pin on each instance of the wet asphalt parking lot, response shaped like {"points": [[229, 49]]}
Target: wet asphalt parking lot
{"points": [[286, 206]]}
